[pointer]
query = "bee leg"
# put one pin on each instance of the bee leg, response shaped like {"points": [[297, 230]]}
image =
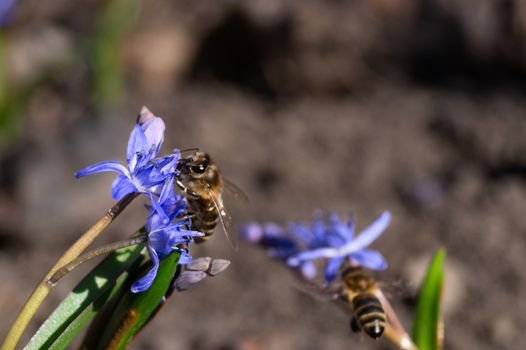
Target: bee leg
{"points": [[355, 327], [186, 190], [190, 216]]}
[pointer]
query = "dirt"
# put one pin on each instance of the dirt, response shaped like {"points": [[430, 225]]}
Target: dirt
{"points": [[417, 107]]}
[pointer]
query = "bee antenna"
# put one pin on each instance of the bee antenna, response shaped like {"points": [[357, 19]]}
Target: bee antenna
{"points": [[193, 150]]}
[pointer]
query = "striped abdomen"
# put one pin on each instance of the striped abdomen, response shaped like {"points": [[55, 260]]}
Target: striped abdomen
{"points": [[205, 217], [369, 314]]}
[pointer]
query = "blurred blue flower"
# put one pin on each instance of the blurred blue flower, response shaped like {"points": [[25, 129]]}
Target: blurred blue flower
{"points": [[144, 173], [164, 238], [6, 11], [341, 244], [334, 241]]}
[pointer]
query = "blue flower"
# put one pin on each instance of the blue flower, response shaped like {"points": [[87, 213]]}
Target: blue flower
{"points": [[144, 173], [279, 243], [164, 238], [342, 244], [6, 11], [334, 241]]}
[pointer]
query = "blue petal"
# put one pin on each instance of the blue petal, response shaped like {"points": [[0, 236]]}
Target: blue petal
{"points": [[252, 232], [370, 259], [6, 10], [149, 179], [318, 228], [339, 232], [332, 268], [168, 164], [308, 270], [138, 143], [154, 221], [178, 239], [349, 228], [302, 233], [146, 281], [295, 260], [185, 258], [271, 229], [188, 233], [153, 129], [172, 205], [142, 163], [122, 186], [368, 235], [108, 165], [158, 209], [334, 238], [334, 222], [284, 244], [159, 241]]}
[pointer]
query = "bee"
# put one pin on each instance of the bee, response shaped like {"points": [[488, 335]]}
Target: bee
{"points": [[360, 291], [361, 296], [203, 185]]}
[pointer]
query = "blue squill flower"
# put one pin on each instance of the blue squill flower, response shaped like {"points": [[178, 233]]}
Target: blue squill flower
{"points": [[279, 243], [164, 238], [341, 244], [144, 173], [334, 241]]}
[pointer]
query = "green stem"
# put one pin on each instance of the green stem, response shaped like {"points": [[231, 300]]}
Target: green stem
{"points": [[43, 288]]}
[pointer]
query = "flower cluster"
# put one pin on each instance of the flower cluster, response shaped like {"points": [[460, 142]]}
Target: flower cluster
{"points": [[334, 241], [167, 224]]}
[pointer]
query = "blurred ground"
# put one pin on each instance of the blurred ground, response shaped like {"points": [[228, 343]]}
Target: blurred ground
{"points": [[415, 106]]}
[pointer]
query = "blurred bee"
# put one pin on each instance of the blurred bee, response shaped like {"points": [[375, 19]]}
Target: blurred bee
{"points": [[203, 185], [360, 292], [361, 296]]}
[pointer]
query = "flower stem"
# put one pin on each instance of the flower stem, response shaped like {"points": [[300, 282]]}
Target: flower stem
{"points": [[401, 340], [394, 330], [63, 271], [43, 288]]}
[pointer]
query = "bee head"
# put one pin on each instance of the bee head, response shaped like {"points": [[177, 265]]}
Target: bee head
{"points": [[197, 164]]}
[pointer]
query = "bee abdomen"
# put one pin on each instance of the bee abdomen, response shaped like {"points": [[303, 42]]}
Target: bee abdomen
{"points": [[206, 218], [370, 314]]}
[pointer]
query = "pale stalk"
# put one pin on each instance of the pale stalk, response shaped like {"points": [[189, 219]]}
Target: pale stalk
{"points": [[394, 330], [43, 288], [400, 339], [108, 248]]}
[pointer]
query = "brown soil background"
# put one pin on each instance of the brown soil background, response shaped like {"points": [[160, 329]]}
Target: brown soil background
{"points": [[415, 106]]}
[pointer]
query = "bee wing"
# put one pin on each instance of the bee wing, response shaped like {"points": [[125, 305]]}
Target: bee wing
{"points": [[317, 291], [235, 191], [226, 220]]}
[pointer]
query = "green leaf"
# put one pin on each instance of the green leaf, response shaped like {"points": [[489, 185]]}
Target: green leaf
{"points": [[426, 332], [63, 340], [134, 310], [80, 306]]}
